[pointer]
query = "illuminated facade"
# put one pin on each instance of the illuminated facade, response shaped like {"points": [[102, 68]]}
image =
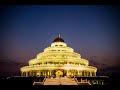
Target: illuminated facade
{"points": [[58, 60]]}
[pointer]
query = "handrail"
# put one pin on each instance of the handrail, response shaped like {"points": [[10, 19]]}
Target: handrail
{"points": [[76, 80], [44, 80]]}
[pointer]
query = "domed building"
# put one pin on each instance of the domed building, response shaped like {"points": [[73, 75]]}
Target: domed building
{"points": [[58, 60]]}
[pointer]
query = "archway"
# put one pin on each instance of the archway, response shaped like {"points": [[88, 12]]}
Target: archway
{"points": [[59, 73]]}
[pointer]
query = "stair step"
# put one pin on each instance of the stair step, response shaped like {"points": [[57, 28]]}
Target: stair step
{"points": [[58, 81]]}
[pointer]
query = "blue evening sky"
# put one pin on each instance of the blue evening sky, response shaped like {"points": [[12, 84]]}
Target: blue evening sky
{"points": [[90, 30]]}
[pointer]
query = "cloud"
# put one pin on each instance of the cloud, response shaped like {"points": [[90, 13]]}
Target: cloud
{"points": [[10, 68], [106, 66], [94, 62]]}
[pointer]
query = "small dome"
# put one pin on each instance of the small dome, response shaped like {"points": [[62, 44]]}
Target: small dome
{"points": [[58, 39]]}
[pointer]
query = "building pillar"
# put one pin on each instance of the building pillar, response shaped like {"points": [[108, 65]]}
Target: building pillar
{"points": [[81, 80], [30, 73], [50, 72], [21, 73], [39, 73], [84, 73], [95, 73], [43, 72], [78, 73], [87, 73], [26, 74], [72, 72], [90, 73], [67, 73], [47, 73]]}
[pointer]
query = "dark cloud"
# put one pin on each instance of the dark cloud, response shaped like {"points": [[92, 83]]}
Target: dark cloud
{"points": [[105, 67], [111, 70], [94, 62], [10, 68]]}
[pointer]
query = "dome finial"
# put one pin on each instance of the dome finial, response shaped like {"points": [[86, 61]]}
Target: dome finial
{"points": [[58, 39], [58, 35]]}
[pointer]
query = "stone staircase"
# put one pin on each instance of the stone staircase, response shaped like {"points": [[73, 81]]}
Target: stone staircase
{"points": [[68, 81], [52, 81], [60, 81]]}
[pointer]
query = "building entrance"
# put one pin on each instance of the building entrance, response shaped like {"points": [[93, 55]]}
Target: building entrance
{"points": [[59, 73]]}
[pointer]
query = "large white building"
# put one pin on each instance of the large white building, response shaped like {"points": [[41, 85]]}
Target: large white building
{"points": [[58, 60]]}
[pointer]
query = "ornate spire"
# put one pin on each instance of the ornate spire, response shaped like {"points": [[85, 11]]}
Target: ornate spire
{"points": [[58, 35]]}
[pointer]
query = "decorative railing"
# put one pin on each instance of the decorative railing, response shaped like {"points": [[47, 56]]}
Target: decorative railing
{"points": [[59, 59], [57, 65]]}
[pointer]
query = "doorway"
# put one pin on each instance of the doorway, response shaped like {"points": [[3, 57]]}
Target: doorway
{"points": [[59, 73]]}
